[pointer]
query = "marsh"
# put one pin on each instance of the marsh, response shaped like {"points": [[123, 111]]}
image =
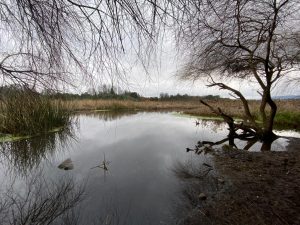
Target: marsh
{"points": [[139, 151]]}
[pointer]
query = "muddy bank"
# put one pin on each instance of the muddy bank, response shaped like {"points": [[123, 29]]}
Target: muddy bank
{"points": [[260, 188]]}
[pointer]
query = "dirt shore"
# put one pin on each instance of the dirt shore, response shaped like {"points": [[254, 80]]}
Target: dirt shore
{"points": [[260, 188]]}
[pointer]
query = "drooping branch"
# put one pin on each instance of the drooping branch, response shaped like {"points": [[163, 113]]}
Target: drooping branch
{"points": [[78, 37]]}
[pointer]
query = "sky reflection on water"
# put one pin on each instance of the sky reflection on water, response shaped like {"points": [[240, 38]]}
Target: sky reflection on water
{"points": [[139, 186]]}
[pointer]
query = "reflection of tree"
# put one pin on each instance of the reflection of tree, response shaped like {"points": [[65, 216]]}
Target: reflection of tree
{"points": [[207, 146], [113, 215], [111, 115], [40, 202], [27, 154], [232, 138], [215, 125], [240, 131], [195, 180]]}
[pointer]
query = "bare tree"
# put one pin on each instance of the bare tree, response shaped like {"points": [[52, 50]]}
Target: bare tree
{"points": [[45, 42], [244, 39]]}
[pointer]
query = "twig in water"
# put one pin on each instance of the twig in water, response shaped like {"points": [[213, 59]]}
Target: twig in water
{"points": [[103, 165]]}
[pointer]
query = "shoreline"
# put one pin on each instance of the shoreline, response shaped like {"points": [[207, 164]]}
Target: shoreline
{"points": [[260, 188]]}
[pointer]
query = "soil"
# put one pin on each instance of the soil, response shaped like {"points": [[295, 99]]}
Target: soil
{"points": [[260, 188]]}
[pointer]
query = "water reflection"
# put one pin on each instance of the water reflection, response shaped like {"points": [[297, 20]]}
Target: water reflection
{"points": [[240, 141], [200, 185], [22, 156], [139, 186], [110, 115], [40, 201], [214, 125]]}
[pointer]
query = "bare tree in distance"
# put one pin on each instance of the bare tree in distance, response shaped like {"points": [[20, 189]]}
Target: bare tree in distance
{"points": [[244, 39], [44, 43]]}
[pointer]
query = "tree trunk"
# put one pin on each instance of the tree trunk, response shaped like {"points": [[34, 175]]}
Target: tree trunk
{"points": [[262, 133], [267, 134]]}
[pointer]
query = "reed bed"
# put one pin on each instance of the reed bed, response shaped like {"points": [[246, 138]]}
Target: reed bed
{"points": [[25, 113]]}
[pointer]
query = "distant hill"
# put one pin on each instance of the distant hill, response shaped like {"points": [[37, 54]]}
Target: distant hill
{"points": [[286, 97]]}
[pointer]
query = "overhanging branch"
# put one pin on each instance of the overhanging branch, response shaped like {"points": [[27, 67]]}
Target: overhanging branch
{"points": [[241, 97]]}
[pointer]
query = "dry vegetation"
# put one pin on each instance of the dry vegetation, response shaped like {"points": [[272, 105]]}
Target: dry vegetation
{"points": [[288, 114], [232, 107], [111, 104]]}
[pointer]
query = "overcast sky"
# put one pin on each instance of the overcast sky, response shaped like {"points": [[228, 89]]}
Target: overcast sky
{"points": [[161, 76]]}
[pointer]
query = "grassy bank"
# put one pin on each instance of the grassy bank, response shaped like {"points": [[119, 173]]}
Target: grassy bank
{"points": [[26, 113], [288, 115]]}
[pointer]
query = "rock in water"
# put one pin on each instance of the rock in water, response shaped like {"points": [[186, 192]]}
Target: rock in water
{"points": [[66, 165]]}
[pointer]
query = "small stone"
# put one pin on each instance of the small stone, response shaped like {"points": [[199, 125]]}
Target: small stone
{"points": [[221, 181], [202, 196]]}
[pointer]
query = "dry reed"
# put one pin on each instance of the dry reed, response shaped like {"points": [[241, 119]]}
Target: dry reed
{"points": [[232, 107]]}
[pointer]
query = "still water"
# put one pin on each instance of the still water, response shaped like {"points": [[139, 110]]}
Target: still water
{"points": [[139, 186]]}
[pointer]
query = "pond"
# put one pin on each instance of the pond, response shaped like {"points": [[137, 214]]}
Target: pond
{"points": [[122, 169]]}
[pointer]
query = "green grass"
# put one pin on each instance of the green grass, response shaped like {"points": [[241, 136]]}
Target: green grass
{"points": [[26, 113], [283, 119], [287, 120]]}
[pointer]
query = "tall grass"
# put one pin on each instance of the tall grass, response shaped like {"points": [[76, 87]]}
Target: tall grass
{"points": [[287, 119], [27, 113]]}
